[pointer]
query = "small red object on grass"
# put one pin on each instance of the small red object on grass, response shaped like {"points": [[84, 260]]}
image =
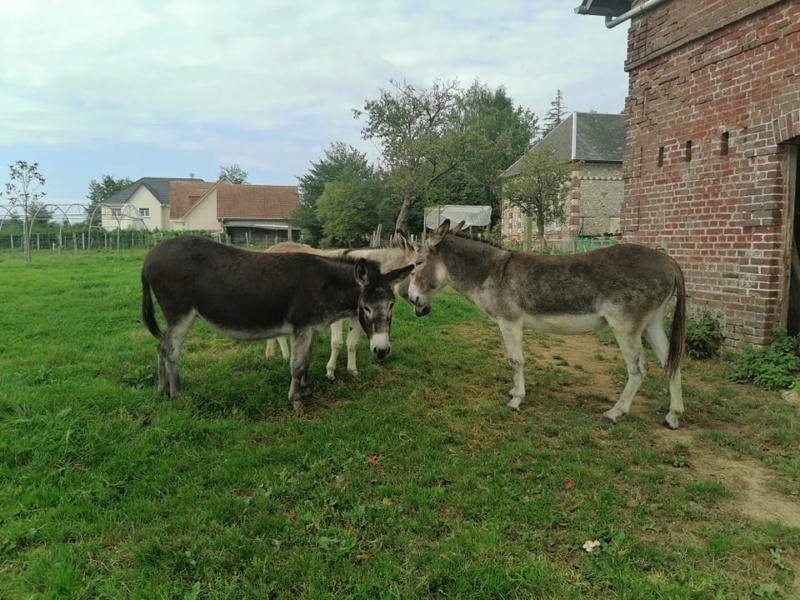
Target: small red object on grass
{"points": [[568, 485], [373, 460]]}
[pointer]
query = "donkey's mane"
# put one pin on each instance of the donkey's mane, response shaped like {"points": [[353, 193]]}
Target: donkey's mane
{"points": [[474, 238], [347, 259]]}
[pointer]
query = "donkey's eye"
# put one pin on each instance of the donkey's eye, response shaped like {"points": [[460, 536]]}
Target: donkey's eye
{"points": [[418, 263], [367, 309], [391, 305]]}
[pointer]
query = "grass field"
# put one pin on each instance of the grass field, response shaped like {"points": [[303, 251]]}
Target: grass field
{"points": [[410, 481]]}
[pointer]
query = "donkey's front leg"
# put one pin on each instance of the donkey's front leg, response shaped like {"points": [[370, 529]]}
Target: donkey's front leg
{"points": [[302, 341], [512, 336], [336, 346], [352, 345]]}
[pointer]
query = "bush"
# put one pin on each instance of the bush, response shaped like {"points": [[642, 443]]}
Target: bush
{"points": [[773, 367], [703, 336]]}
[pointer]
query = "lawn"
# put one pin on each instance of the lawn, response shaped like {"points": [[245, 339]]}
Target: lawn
{"points": [[409, 481]]}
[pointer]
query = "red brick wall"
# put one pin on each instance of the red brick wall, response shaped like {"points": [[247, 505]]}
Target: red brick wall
{"points": [[699, 70]]}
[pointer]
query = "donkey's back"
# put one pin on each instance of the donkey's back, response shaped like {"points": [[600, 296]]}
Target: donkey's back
{"points": [[624, 277]]}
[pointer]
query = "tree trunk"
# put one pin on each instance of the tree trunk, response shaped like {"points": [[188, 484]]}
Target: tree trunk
{"points": [[402, 218], [526, 242], [540, 228]]}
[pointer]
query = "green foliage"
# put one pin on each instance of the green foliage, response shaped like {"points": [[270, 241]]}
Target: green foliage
{"points": [[704, 336], [349, 210], [100, 191], [540, 190], [556, 114], [445, 145], [24, 190], [234, 173], [772, 367], [340, 161]]}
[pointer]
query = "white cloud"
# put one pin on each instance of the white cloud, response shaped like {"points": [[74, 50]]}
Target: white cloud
{"points": [[165, 71]]}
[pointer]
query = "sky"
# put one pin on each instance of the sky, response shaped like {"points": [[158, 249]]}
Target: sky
{"points": [[169, 88]]}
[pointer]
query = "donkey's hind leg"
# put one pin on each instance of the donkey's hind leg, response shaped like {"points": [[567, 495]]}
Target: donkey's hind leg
{"points": [[336, 346], [630, 343], [352, 345], [169, 354], [657, 338]]}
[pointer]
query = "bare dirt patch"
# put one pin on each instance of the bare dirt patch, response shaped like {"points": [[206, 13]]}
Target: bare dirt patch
{"points": [[752, 483]]}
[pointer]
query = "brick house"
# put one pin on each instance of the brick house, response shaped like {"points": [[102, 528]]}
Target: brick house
{"points": [[711, 156], [595, 141], [247, 213]]}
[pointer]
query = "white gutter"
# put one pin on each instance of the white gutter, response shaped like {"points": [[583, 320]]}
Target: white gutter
{"points": [[634, 12]]}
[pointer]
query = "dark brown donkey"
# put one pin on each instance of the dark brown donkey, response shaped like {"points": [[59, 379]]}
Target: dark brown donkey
{"points": [[255, 296]]}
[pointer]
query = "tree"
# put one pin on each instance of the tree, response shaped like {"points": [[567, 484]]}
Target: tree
{"points": [[540, 190], [23, 190], [350, 210], [445, 145], [100, 191], [497, 133], [556, 114], [418, 142], [340, 160], [234, 173]]}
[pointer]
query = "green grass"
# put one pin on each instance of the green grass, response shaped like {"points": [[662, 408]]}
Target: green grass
{"points": [[410, 481]]}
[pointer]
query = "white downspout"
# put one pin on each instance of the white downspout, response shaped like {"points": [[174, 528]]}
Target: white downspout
{"points": [[634, 12]]}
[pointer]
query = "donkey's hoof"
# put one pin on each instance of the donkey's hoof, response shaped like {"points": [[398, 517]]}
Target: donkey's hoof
{"points": [[512, 408], [330, 375], [671, 421], [297, 405], [608, 418]]}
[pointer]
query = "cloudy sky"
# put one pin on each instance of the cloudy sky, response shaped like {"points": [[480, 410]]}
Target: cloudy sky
{"points": [[165, 88]]}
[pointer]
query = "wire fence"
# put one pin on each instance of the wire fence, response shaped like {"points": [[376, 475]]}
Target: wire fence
{"points": [[126, 239]]}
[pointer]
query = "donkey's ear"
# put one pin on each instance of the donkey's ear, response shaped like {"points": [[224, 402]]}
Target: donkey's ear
{"points": [[400, 240], [459, 227], [398, 274], [438, 234], [362, 273]]}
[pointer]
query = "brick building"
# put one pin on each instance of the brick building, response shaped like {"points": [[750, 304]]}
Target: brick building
{"points": [[711, 155]]}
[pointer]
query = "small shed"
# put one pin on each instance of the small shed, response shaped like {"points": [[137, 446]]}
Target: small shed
{"points": [[475, 217]]}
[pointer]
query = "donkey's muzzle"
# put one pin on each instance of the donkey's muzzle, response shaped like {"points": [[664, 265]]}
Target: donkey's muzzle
{"points": [[421, 311], [380, 352]]}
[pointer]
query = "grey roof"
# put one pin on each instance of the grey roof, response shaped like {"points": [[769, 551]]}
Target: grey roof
{"points": [[158, 186], [587, 137]]}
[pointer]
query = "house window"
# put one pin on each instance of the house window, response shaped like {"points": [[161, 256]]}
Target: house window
{"points": [[688, 155], [144, 212], [661, 156], [115, 212]]}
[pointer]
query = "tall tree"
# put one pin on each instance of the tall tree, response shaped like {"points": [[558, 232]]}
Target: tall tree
{"points": [[350, 210], [498, 132], [419, 145], [24, 190], [100, 191], [234, 173], [540, 190], [340, 160], [556, 114], [444, 144]]}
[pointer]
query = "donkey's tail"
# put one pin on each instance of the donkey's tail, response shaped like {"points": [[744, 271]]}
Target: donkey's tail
{"points": [[148, 315], [677, 333]]}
